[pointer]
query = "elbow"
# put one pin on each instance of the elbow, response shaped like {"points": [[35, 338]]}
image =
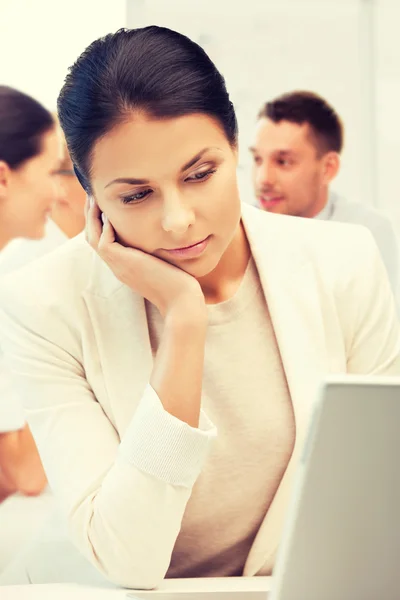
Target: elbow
{"points": [[145, 579], [32, 488], [126, 554], [27, 480], [144, 572], [20, 463], [27, 483], [137, 583]]}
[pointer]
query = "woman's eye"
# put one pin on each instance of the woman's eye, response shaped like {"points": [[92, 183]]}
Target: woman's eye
{"points": [[201, 176], [135, 197]]}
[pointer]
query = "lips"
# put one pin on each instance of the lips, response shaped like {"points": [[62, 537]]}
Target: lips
{"points": [[187, 247], [269, 202], [192, 251]]}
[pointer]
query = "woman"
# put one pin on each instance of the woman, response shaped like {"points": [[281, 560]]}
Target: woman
{"points": [[29, 158], [66, 219], [174, 359]]}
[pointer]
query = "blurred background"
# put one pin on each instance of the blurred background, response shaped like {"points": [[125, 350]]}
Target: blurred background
{"points": [[346, 50]]}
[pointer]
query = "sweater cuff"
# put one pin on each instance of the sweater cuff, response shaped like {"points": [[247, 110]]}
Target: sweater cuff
{"points": [[161, 445]]}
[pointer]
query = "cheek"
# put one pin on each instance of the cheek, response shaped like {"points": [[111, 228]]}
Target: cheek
{"points": [[73, 195], [133, 227], [77, 193], [225, 209], [40, 189], [226, 193], [295, 180]]}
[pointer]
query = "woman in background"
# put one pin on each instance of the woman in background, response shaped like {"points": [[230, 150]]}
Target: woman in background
{"points": [[66, 219], [30, 153]]}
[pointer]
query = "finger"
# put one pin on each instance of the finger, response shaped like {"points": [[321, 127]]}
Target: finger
{"points": [[107, 236], [94, 224]]}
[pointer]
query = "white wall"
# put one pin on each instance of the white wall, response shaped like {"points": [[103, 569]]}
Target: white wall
{"points": [[388, 104], [40, 39]]}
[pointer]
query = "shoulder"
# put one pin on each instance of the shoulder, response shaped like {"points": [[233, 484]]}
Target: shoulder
{"points": [[21, 251], [357, 212], [326, 244], [59, 262], [55, 280]]}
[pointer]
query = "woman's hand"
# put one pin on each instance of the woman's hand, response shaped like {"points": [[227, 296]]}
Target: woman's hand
{"points": [[169, 288]]}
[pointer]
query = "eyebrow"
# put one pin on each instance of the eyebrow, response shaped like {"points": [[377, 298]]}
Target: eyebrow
{"points": [[134, 181], [279, 152]]}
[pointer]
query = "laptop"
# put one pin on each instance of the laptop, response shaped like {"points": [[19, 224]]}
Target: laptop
{"points": [[341, 539], [342, 534]]}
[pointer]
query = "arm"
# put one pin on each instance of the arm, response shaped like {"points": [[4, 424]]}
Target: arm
{"points": [[20, 467], [178, 368], [124, 501], [20, 464]]}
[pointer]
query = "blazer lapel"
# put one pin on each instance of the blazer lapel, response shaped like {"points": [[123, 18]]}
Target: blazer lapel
{"points": [[291, 290]]}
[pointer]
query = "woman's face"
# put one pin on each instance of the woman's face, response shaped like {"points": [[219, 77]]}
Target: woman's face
{"points": [[170, 184], [71, 193], [27, 193]]}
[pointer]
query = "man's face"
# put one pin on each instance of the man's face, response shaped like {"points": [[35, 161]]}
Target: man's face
{"points": [[289, 176]]}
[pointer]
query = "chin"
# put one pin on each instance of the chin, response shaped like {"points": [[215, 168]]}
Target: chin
{"points": [[201, 268]]}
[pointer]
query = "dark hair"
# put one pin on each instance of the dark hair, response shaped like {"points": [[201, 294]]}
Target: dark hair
{"points": [[307, 107], [153, 69], [23, 121]]}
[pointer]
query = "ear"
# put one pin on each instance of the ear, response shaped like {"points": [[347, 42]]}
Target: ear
{"points": [[5, 173], [331, 166]]}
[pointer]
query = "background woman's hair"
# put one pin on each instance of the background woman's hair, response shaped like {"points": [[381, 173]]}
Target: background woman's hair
{"points": [[23, 121], [153, 70]]}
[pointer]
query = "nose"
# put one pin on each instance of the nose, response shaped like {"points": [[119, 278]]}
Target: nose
{"points": [[265, 175], [177, 216]]}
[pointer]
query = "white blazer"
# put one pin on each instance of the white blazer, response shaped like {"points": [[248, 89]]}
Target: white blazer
{"points": [[77, 340]]}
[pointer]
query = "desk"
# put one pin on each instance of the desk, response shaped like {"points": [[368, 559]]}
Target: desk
{"points": [[80, 592]]}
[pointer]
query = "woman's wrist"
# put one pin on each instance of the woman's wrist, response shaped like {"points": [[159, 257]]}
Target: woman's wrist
{"points": [[189, 312]]}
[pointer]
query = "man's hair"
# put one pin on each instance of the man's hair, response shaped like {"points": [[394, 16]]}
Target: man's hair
{"points": [[306, 107]]}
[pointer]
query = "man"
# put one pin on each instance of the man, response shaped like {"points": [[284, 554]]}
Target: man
{"points": [[296, 152]]}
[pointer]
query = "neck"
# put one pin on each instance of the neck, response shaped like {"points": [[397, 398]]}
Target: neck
{"points": [[222, 283], [319, 205], [67, 220], [5, 238]]}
